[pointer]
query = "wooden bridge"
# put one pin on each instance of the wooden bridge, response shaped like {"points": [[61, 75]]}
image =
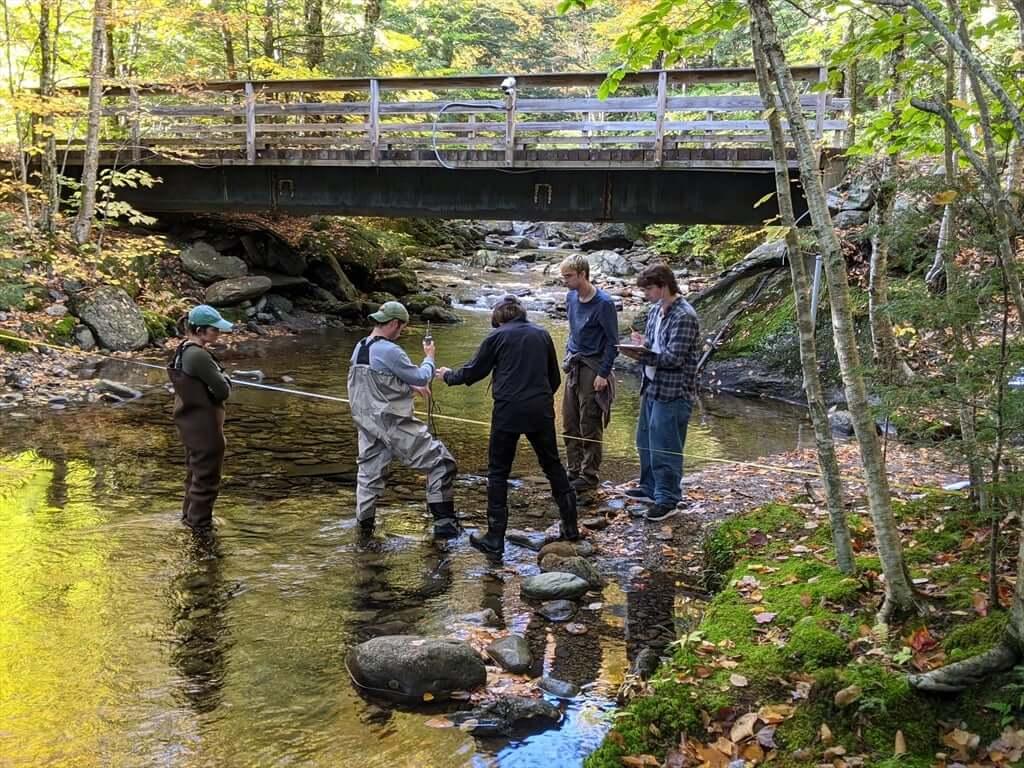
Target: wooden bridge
{"points": [[685, 145]]}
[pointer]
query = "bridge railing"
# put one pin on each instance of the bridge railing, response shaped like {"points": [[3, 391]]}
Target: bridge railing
{"points": [[661, 118]]}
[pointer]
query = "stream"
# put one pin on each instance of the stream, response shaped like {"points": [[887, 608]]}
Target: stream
{"points": [[125, 644]]}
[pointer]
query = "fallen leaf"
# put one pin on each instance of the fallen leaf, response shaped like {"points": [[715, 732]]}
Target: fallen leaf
{"points": [[468, 725], [428, 696], [806, 600], [766, 737], [724, 746], [776, 713], [439, 722], [980, 603], [921, 640], [825, 733], [848, 695], [900, 747], [738, 681], [765, 617], [639, 761], [743, 728], [753, 753]]}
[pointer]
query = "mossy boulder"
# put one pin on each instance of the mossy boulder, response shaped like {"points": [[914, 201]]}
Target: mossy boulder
{"points": [[400, 282], [353, 247]]}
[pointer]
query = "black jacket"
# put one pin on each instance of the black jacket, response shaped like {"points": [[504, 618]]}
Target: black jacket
{"points": [[526, 375]]}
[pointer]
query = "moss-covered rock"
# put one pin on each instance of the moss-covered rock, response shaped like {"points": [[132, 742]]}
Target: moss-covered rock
{"points": [[160, 326], [60, 332], [400, 282]]}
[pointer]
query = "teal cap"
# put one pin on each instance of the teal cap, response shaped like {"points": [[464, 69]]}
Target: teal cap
{"points": [[204, 314], [390, 310]]}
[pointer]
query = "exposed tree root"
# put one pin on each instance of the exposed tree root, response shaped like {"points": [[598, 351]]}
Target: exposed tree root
{"points": [[969, 672]]}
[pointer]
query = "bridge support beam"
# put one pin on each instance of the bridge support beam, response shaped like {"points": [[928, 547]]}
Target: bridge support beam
{"points": [[627, 195]]}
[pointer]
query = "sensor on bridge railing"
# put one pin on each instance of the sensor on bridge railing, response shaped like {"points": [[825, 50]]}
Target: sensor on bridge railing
{"points": [[508, 86]]}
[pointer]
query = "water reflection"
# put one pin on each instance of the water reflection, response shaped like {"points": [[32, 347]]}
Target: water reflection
{"points": [[200, 636]]}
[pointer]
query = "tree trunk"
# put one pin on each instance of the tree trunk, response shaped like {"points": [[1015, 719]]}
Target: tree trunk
{"points": [[890, 366], [20, 128], [850, 87], [48, 157], [268, 29], [370, 18], [899, 592], [827, 462], [227, 39], [90, 163], [314, 15]]}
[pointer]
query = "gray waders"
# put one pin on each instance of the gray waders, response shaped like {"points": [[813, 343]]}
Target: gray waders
{"points": [[382, 409]]}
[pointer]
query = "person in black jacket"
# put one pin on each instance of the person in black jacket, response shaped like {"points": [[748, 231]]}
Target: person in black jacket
{"points": [[526, 376]]}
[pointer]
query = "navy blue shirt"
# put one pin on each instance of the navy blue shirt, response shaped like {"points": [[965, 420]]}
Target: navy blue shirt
{"points": [[593, 328]]}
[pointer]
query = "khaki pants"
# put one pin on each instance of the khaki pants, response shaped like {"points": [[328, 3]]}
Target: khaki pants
{"points": [[582, 417]]}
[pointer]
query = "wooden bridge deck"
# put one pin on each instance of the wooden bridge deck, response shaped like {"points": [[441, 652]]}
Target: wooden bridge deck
{"points": [[663, 119]]}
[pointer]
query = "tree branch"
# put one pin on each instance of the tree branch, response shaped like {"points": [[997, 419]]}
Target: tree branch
{"points": [[969, 59], [941, 110]]}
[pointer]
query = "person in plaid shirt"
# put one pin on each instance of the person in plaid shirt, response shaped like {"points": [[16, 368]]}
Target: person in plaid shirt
{"points": [[668, 353]]}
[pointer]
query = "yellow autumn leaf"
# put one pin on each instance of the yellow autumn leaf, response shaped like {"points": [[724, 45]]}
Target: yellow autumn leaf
{"points": [[945, 197], [428, 696], [959, 104]]}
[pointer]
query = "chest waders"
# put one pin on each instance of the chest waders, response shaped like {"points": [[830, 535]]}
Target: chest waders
{"points": [[200, 422], [382, 409]]}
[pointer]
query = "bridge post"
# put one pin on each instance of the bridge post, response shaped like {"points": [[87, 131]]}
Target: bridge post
{"points": [[510, 128], [659, 126], [374, 126], [250, 124]]}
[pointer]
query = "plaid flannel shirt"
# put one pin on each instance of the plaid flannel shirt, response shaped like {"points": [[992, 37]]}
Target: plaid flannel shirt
{"points": [[675, 366]]}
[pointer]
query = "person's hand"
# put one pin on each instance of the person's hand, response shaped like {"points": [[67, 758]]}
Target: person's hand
{"points": [[638, 338], [428, 349], [440, 372], [600, 383], [423, 392]]}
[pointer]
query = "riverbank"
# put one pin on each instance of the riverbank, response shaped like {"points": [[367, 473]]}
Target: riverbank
{"points": [[784, 666]]}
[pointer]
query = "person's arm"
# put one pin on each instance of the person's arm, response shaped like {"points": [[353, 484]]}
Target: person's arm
{"points": [[197, 362], [554, 374], [610, 325], [397, 362], [476, 369], [680, 344]]}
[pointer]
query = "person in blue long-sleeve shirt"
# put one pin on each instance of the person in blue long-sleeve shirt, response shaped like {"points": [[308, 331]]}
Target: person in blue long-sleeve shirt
{"points": [[589, 384]]}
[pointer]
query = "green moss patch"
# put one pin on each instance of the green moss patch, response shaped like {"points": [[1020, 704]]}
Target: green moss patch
{"points": [[790, 638]]}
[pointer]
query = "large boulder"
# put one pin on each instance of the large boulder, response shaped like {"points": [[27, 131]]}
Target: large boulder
{"points": [[609, 263], [856, 197], [512, 653], [227, 293], [487, 258], [607, 236], [848, 218], [554, 586], [113, 317], [202, 261], [400, 282], [438, 314], [411, 667], [271, 254], [325, 271]]}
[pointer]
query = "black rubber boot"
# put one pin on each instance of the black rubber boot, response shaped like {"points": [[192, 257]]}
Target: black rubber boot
{"points": [[492, 543], [567, 512], [446, 525], [364, 531]]}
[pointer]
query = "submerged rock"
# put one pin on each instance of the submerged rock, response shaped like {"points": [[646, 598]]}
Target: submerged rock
{"points": [[559, 688], [554, 586], [502, 716], [557, 610], [412, 667], [511, 653]]}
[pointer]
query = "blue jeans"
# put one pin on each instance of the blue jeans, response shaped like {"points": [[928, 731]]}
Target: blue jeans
{"points": [[660, 439]]}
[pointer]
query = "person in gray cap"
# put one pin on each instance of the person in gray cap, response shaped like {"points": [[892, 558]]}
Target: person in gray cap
{"points": [[382, 382], [200, 389]]}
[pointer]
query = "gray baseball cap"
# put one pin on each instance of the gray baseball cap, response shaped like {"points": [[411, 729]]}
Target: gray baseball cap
{"points": [[390, 310]]}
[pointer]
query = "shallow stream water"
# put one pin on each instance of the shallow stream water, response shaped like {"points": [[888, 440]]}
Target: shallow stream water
{"points": [[125, 644]]}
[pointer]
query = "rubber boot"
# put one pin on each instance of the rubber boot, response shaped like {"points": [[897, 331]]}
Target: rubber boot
{"points": [[569, 531], [446, 526], [364, 531], [492, 543]]}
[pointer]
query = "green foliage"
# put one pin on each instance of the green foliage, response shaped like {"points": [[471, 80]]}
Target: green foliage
{"points": [[60, 332], [160, 326]]}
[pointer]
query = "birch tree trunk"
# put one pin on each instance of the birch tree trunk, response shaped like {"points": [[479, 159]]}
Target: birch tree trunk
{"points": [[827, 462], [90, 163], [899, 592], [888, 362], [48, 157]]}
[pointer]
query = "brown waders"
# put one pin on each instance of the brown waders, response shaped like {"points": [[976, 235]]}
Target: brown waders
{"points": [[200, 422]]}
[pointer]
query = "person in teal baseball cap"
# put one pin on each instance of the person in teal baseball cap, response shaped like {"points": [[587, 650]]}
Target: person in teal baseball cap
{"points": [[200, 389]]}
